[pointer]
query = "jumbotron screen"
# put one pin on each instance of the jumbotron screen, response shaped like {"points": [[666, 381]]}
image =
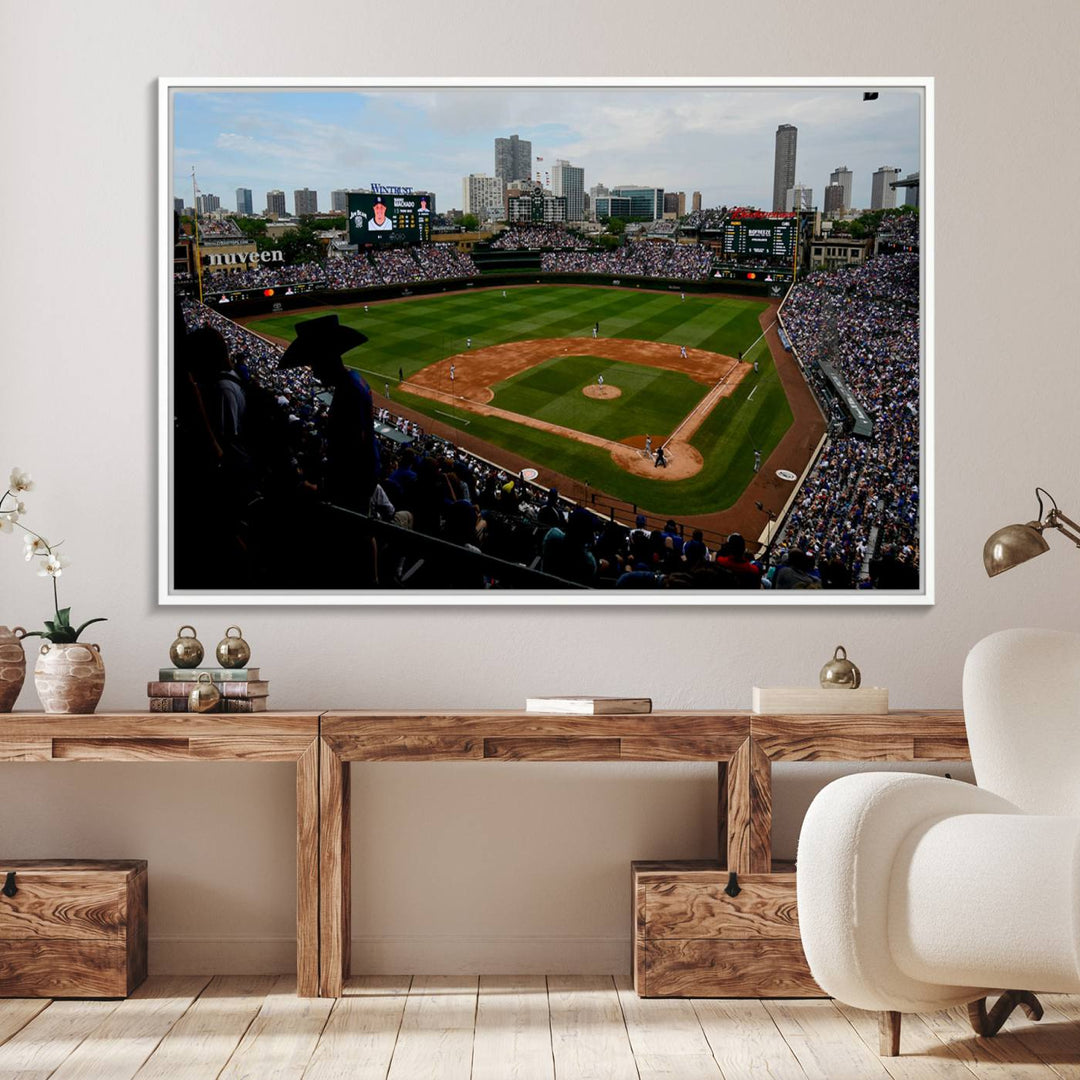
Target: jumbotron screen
{"points": [[390, 219], [761, 237]]}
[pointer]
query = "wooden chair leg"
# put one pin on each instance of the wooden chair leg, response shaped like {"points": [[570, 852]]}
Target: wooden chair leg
{"points": [[988, 1024], [889, 1033]]}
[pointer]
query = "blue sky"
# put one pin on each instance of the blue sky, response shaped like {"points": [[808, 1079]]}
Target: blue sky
{"points": [[718, 141]]}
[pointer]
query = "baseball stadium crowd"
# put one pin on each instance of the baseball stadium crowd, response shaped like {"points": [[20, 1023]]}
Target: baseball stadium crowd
{"points": [[220, 228], [522, 237], [900, 229], [704, 219], [432, 262], [862, 496], [643, 259]]}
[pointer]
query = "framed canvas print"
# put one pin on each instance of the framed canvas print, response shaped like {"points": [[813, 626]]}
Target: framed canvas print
{"points": [[648, 341]]}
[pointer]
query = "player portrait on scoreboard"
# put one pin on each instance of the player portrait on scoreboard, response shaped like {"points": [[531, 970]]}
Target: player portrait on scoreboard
{"points": [[423, 205], [379, 221]]}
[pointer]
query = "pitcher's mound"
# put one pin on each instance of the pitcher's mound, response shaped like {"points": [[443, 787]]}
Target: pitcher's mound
{"points": [[604, 392]]}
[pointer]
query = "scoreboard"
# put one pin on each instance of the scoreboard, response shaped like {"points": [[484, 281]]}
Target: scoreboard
{"points": [[390, 219], [761, 238]]}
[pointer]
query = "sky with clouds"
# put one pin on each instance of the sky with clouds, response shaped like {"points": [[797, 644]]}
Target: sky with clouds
{"points": [[717, 140]]}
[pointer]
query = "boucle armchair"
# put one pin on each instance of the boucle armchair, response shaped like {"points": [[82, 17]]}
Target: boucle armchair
{"points": [[918, 893]]}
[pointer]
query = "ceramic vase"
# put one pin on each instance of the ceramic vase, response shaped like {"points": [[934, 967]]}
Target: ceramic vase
{"points": [[12, 666], [69, 678]]}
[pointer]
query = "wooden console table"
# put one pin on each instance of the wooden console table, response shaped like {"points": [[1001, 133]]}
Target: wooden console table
{"points": [[742, 744], [260, 737]]}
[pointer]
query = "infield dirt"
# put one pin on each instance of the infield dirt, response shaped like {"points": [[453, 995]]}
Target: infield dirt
{"points": [[478, 371]]}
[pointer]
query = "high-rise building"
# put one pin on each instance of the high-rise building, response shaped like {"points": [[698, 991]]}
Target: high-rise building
{"points": [[911, 189], [645, 202], [784, 164], [834, 200], [674, 203], [204, 204], [883, 197], [799, 197], [697, 201], [275, 203], [339, 199], [569, 181], [842, 175], [513, 158], [243, 201], [178, 205], [484, 196], [305, 201]]}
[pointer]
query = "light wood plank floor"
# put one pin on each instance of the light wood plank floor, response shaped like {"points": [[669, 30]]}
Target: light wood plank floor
{"points": [[524, 1027]]}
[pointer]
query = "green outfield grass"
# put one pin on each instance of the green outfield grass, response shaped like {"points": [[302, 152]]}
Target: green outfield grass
{"points": [[653, 400], [412, 334]]}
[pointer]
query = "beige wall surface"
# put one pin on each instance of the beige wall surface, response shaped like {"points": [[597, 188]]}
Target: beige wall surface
{"points": [[495, 867]]}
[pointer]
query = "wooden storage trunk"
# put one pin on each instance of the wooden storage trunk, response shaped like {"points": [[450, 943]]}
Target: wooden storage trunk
{"points": [[691, 939], [72, 928]]}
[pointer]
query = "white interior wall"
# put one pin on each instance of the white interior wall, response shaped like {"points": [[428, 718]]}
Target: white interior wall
{"points": [[482, 866]]}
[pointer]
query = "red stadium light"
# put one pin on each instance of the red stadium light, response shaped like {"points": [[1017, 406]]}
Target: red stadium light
{"points": [[268, 292], [751, 276]]}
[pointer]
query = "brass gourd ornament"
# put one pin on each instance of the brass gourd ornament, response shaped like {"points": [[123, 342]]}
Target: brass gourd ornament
{"points": [[840, 673], [204, 695], [186, 652], [233, 652]]}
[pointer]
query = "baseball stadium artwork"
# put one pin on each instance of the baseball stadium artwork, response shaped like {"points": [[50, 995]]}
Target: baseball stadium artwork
{"points": [[647, 342]]}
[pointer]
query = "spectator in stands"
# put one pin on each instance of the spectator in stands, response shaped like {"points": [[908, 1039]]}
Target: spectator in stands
{"points": [[352, 457], [732, 556]]}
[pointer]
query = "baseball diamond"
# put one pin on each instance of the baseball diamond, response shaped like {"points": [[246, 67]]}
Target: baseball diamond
{"points": [[526, 389]]}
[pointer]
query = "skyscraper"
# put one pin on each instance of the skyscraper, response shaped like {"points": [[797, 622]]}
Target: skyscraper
{"points": [[484, 196], [784, 164], [305, 201], [883, 197], [696, 201], [513, 158], [834, 199], [204, 204], [674, 203], [911, 191], [799, 197], [178, 205], [243, 200], [275, 202], [569, 180], [842, 175]]}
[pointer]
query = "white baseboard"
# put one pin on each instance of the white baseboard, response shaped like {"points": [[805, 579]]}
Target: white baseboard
{"points": [[429, 954]]}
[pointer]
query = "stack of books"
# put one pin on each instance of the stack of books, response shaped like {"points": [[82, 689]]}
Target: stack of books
{"points": [[241, 689]]}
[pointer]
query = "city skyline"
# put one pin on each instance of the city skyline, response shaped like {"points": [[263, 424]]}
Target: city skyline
{"points": [[716, 140]]}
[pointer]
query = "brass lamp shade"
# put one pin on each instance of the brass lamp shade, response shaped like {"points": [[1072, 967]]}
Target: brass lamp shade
{"points": [[1012, 545]]}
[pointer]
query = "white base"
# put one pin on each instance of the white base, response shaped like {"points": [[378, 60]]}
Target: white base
{"points": [[430, 955]]}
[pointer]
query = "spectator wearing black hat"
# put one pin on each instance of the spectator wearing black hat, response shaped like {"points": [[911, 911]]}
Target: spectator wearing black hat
{"points": [[352, 456]]}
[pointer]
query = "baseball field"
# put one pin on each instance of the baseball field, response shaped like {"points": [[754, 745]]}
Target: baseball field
{"points": [[574, 380]]}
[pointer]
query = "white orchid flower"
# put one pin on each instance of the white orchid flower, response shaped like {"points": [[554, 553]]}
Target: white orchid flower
{"points": [[54, 565], [6, 522], [20, 481], [34, 545]]}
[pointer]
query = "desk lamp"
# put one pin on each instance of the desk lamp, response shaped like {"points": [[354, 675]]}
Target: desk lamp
{"points": [[1014, 544]]}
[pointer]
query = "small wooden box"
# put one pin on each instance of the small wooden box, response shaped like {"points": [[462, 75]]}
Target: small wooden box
{"points": [[72, 928], [691, 939], [817, 701]]}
